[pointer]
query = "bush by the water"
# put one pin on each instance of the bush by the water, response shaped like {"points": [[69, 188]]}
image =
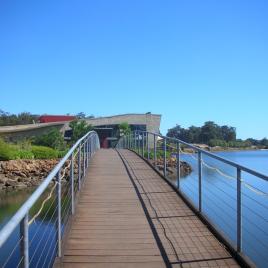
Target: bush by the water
{"points": [[53, 139], [8, 151], [24, 150], [42, 152]]}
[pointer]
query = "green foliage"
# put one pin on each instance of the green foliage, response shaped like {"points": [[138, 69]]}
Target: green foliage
{"points": [[53, 139], [25, 154], [62, 153], [124, 128], [8, 151], [217, 142], [42, 152], [79, 129], [209, 131], [7, 119], [15, 151]]}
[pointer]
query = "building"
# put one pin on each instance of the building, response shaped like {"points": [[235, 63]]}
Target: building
{"points": [[108, 127], [55, 118]]}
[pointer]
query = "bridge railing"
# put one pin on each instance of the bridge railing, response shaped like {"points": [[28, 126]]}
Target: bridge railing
{"points": [[33, 236], [230, 197]]}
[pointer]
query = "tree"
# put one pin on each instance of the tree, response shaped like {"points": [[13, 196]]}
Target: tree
{"points": [[53, 139], [79, 129], [209, 131], [7, 119], [124, 128], [228, 133], [264, 142], [81, 115]]}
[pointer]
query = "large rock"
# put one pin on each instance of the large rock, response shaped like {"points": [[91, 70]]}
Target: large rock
{"points": [[23, 173]]}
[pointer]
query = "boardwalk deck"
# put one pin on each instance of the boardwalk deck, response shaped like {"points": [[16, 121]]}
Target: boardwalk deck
{"points": [[111, 228]]}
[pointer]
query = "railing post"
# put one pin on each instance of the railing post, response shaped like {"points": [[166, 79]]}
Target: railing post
{"points": [[84, 159], [142, 144], [72, 181], [85, 149], [135, 145], [178, 165], [165, 157], [88, 150], [139, 143], [199, 181], [59, 212], [24, 244], [148, 150], [239, 211], [79, 167], [155, 150]]}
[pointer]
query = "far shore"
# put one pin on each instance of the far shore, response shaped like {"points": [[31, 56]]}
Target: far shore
{"points": [[223, 149]]}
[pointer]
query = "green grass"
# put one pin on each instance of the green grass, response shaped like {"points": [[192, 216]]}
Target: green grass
{"points": [[9, 151]]}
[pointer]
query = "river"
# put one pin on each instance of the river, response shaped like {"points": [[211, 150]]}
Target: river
{"points": [[219, 199], [218, 203]]}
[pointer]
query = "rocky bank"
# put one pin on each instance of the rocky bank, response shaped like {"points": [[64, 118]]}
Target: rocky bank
{"points": [[17, 174], [185, 168]]}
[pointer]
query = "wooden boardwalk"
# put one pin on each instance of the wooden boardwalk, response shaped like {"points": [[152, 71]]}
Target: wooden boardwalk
{"points": [[136, 219]]}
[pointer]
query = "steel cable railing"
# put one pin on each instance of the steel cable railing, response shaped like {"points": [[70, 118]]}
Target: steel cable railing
{"points": [[231, 197], [32, 237]]}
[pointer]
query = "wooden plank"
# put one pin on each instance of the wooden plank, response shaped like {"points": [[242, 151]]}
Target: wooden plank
{"points": [[110, 228]]}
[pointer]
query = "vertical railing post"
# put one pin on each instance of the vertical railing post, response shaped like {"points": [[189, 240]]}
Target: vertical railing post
{"points": [[72, 181], [85, 150], [199, 181], [148, 149], [155, 150], [138, 142], [90, 147], [58, 179], [142, 144], [178, 165], [88, 150], [84, 159], [79, 167], [135, 145], [239, 211], [24, 244], [165, 157]]}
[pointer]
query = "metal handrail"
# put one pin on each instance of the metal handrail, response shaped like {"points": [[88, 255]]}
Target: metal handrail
{"points": [[222, 159], [137, 141], [90, 144]]}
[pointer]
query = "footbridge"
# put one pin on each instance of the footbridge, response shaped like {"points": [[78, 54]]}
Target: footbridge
{"points": [[145, 203]]}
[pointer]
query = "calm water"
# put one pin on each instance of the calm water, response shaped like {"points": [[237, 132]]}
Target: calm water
{"points": [[42, 232], [218, 201]]}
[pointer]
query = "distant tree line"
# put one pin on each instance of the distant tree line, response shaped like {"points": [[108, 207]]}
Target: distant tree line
{"points": [[213, 135], [8, 119]]}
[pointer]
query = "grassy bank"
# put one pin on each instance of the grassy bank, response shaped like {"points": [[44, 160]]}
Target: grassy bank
{"points": [[25, 150]]}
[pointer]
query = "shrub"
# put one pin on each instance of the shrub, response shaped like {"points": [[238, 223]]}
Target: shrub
{"points": [[217, 142], [24, 154], [79, 129], [42, 152], [62, 153], [8, 151], [53, 139]]}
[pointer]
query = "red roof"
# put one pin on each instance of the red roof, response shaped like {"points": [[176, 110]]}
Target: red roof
{"points": [[55, 118]]}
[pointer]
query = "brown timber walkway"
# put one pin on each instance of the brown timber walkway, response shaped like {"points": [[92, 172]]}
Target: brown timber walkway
{"points": [[135, 219]]}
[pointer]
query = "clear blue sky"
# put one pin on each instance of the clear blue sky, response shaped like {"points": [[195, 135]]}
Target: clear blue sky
{"points": [[191, 61]]}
